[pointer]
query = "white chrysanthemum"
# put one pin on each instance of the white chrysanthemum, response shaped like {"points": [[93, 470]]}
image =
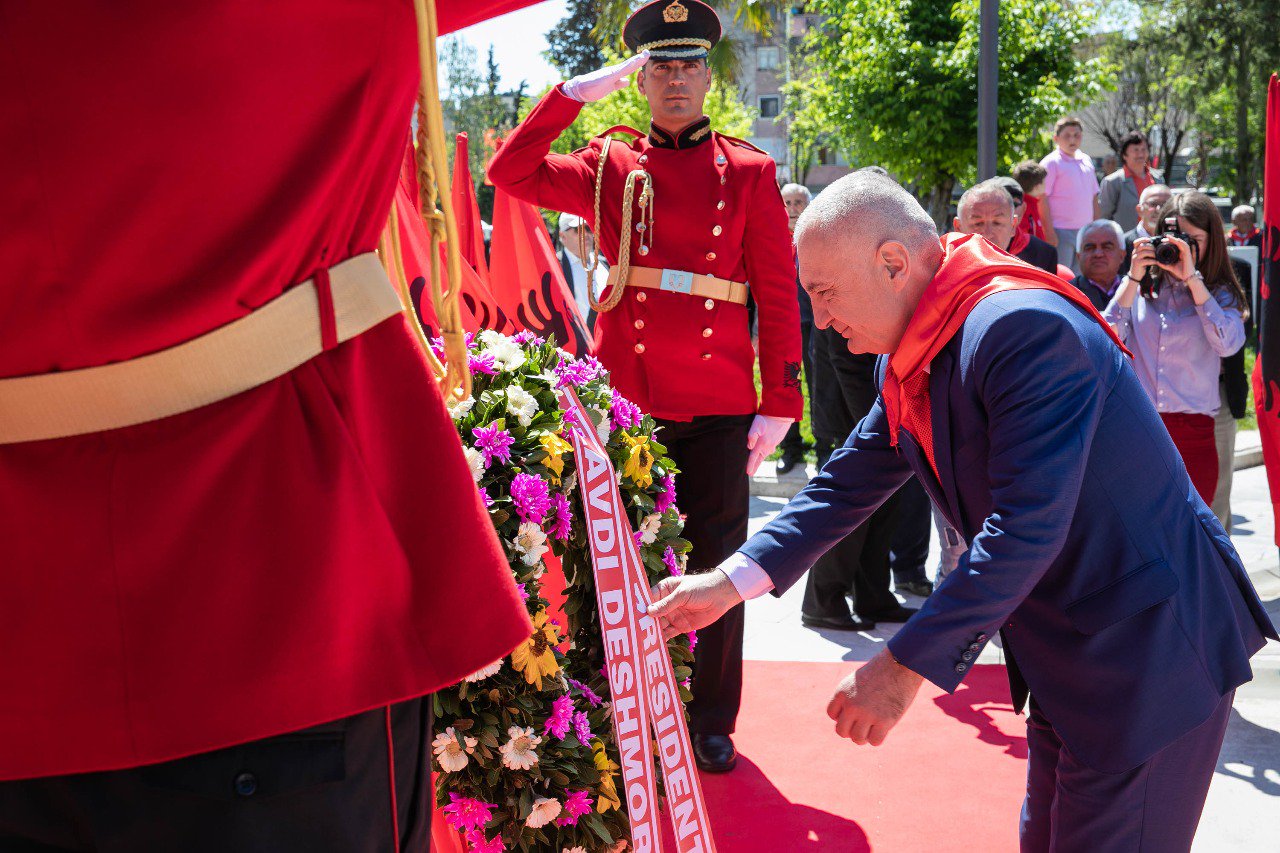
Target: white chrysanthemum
{"points": [[458, 409], [603, 428], [649, 529], [506, 353], [450, 754], [475, 461], [544, 811], [570, 483], [518, 752], [485, 672], [530, 543], [522, 404]]}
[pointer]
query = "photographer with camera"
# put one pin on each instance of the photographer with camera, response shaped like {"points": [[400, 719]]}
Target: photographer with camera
{"points": [[1190, 316]]}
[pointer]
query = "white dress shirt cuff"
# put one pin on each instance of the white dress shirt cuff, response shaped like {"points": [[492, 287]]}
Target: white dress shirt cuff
{"points": [[746, 576]]}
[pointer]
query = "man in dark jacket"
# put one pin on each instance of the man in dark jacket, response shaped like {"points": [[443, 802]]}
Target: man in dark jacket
{"points": [[1100, 249], [991, 209]]}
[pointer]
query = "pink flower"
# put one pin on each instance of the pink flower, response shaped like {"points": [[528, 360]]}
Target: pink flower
{"points": [[669, 560], [625, 414], [437, 347], [467, 813], [561, 718], [488, 501], [576, 804], [482, 363], [693, 640], [494, 443], [667, 499], [577, 372], [524, 593], [587, 693], [478, 844], [528, 337], [532, 498], [582, 727], [637, 536], [563, 517]]}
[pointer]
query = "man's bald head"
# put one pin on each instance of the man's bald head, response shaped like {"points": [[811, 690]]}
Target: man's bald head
{"points": [[867, 251], [988, 209]]}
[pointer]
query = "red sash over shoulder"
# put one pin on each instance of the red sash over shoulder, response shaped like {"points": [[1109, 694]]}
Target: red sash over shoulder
{"points": [[972, 269]]}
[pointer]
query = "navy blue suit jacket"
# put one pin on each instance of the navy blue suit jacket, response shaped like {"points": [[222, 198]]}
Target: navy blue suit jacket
{"points": [[1121, 602]]}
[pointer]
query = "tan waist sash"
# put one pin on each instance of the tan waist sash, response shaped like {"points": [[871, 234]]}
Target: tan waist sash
{"points": [[676, 281], [288, 331]]}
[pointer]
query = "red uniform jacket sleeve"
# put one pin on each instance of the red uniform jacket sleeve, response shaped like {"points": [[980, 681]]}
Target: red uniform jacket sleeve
{"points": [[771, 273], [525, 167]]}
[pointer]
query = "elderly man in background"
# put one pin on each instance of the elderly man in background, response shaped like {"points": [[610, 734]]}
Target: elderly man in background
{"points": [[1129, 621], [1244, 230], [1121, 190], [796, 198], [1100, 248], [1153, 198], [991, 209], [575, 239]]}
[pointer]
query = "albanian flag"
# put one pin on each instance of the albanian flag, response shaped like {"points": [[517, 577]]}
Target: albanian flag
{"points": [[1266, 370], [527, 279], [479, 309], [467, 211]]}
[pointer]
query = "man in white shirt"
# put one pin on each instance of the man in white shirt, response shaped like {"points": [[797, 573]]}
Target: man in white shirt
{"points": [[575, 236], [1153, 198]]}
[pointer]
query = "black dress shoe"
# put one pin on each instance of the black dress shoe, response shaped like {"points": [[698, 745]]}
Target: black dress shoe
{"points": [[921, 588], [714, 753], [836, 623], [895, 614], [789, 460]]}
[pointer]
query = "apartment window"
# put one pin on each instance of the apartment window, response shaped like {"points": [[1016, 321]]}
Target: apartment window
{"points": [[768, 58], [770, 106]]}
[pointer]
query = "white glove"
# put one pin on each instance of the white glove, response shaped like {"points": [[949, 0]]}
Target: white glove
{"points": [[606, 81], [763, 437]]}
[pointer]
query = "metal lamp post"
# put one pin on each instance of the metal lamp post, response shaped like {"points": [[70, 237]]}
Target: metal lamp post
{"points": [[988, 72]]}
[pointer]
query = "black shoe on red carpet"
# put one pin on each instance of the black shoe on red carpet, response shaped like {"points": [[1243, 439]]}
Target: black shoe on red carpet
{"points": [[894, 614], [714, 753]]}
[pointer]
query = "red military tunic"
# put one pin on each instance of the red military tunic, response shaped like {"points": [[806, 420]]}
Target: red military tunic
{"points": [[306, 550], [717, 211]]}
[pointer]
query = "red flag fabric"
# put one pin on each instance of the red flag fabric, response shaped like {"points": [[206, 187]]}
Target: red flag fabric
{"points": [[1266, 370], [467, 211], [479, 308], [526, 277], [453, 15]]}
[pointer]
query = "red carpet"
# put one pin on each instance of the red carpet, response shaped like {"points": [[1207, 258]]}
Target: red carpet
{"points": [[949, 778]]}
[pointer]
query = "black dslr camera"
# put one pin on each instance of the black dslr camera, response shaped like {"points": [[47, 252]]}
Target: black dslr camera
{"points": [[1166, 253]]}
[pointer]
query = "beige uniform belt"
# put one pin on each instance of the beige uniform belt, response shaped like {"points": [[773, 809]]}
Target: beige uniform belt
{"points": [[676, 281], [285, 333]]}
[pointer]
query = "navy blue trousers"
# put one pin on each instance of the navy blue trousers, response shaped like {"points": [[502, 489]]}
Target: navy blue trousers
{"points": [[1153, 808]]}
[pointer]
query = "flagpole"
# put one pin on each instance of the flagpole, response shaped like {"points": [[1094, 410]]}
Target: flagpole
{"points": [[988, 73]]}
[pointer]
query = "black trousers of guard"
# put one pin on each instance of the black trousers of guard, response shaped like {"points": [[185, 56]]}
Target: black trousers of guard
{"points": [[714, 493], [325, 789]]}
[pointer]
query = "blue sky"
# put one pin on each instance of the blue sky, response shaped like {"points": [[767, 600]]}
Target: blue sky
{"points": [[518, 40]]}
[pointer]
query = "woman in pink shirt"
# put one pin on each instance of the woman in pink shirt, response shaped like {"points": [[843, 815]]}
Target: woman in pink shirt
{"points": [[1071, 187]]}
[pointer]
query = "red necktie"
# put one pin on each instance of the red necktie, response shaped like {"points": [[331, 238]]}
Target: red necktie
{"points": [[917, 416]]}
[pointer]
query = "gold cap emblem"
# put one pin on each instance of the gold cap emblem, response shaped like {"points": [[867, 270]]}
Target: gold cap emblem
{"points": [[676, 13]]}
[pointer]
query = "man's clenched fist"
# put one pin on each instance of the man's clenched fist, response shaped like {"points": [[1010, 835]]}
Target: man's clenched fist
{"points": [[870, 701], [606, 81]]}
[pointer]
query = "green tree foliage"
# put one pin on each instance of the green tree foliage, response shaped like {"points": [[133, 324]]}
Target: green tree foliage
{"points": [[573, 48], [894, 83]]}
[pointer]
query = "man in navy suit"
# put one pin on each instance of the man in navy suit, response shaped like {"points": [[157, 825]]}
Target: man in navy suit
{"points": [[1125, 613]]}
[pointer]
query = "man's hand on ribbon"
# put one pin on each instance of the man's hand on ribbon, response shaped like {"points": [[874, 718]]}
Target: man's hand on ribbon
{"points": [[690, 602], [763, 438], [870, 701], [606, 81]]}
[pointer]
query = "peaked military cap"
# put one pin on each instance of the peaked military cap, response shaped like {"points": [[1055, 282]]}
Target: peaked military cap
{"points": [[672, 29]]}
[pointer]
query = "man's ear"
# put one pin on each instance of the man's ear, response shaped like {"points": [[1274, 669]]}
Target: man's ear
{"points": [[955, 223], [640, 80], [894, 258]]}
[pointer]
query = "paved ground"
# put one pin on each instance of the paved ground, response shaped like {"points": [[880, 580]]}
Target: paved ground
{"points": [[1243, 811]]}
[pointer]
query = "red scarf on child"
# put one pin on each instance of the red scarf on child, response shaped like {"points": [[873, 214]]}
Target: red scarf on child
{"points": [[972, 269]]}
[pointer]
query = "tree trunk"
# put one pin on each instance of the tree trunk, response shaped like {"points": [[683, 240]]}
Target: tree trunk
{"points": [[940, 203], [1244, 158]]}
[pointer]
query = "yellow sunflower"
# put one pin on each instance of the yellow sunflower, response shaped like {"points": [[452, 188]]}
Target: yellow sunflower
{"points": [[535, 657], [639, 464], [556, 448], [607, 792]]}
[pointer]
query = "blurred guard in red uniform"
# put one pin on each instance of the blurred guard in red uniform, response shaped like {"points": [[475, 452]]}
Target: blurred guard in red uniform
{"points": [[688, 219], [219, 612]]}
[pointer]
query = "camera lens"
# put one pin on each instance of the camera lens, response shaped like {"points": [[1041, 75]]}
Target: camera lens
{"points": [[1166, 253]]}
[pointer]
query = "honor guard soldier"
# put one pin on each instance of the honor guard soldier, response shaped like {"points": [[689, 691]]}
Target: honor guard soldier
{"points": [[239, 540], [690, 221]]}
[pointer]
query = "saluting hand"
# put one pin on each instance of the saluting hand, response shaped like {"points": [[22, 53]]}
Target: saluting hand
{"points": [[606, 81], [870, 701]]}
